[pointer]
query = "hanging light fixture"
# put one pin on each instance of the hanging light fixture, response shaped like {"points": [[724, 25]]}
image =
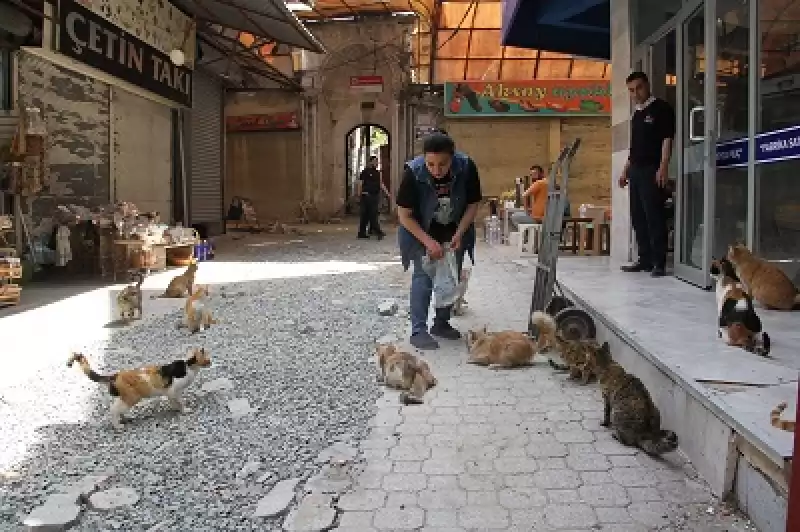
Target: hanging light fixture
{"points": [[177, 55]]}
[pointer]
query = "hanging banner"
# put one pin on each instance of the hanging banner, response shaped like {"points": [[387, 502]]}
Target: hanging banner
{"points": [[732, 153], [91, 39], [771, 147], [573, 97], [268, 122]]}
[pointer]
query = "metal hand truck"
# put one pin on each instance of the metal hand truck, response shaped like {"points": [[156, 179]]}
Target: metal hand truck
{"points": [[573, 323]]}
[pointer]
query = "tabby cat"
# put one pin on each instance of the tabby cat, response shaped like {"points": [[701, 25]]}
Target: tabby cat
{"points": [[497, 350], [129, 300], [783, 424], [130, 386], [404, 371], [764, 281], [575, 353], [628, 408], [463, 284], [183, 284]]}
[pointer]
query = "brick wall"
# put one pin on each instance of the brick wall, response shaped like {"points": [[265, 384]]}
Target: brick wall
{"points": [[75, 109]]}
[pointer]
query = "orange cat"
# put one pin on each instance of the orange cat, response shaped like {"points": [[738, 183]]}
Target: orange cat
{"points": [[198, 317], [183, 284], [504, 349], [130, 386], [783, 424], [765, 281]]}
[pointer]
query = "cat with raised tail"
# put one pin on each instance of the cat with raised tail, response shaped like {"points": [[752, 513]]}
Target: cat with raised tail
{"points": [[130, 386], [738, 323], [764, 281]]}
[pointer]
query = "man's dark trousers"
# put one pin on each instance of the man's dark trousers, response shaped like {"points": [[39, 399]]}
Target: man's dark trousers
{"points": [[369, 215], [648, 216]]}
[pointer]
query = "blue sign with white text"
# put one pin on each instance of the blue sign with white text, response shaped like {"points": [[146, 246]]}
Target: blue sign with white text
{"points": [[771, 147], [732, 153]]}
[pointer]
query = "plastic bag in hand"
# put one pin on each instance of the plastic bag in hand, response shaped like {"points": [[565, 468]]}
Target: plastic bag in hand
{"points": [[444, 273]]}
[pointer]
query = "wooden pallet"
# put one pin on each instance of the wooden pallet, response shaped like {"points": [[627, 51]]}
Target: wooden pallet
{"points": [[10, 294], [10, 272]]}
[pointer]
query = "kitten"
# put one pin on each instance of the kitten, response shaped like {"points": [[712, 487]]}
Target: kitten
{"points": [[629, 409], [404, 371], [764, 281], [738, 322], [130, 386], [183, 284], [575, 353], [497, 350], [198, 316], [458, 306], [783, 424], [129, 300]]}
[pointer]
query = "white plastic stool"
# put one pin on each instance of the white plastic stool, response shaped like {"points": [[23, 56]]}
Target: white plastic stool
{"points": [[530, 233]]}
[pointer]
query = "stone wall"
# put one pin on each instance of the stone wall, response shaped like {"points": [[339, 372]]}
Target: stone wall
{"points": [[156, 22], [76, 111], [505, 148]]}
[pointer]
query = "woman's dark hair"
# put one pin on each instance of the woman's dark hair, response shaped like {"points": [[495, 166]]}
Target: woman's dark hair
{"points": [[438, 143]]}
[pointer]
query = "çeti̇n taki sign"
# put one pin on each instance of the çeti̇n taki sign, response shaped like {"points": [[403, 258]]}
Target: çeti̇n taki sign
{"points": [[574, 97], [91, 39]]}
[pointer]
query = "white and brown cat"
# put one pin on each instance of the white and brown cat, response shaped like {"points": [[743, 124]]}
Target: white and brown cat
{"points": [[130, 386], [737, 321], [129, 300], [463, 284], [197, 315], [764, 281], [406, 372]]}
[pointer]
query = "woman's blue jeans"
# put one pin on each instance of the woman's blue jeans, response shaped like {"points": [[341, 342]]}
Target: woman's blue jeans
{"points": [[421, 290]]}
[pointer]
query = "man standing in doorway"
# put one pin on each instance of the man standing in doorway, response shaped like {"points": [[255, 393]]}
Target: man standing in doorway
{"points": [[370, 186], [647, 170], [437, 201]]}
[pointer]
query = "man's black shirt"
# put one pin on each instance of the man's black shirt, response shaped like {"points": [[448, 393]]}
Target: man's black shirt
{"points": [[443, 226], [370, 181], [649, 127]]}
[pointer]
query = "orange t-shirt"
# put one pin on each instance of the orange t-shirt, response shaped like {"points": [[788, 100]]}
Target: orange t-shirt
{"points": [[539, 196]]}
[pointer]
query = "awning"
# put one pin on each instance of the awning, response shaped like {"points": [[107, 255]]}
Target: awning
{"points": [[576, 27], [261, 18]]}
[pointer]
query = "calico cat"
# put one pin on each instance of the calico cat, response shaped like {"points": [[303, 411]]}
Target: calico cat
{"points": [[764, 281], [497, 350], [783, 424], [738, 322], [130, 386], [404, 371], [198, 316], [628, 408], [129, 300], [183, 284], [575, 353], [458, 306]]}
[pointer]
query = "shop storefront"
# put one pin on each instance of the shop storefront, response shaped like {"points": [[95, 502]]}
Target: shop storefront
{"points": [[738, 145]]}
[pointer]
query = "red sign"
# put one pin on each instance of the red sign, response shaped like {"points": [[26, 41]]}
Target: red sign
{"points": [[366, 83], [266, 122]]}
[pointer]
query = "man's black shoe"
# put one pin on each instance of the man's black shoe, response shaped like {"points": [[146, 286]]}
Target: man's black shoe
{"points": [[363, 236], [636, 267], [443, 329], [658, 271], [380, 235]]}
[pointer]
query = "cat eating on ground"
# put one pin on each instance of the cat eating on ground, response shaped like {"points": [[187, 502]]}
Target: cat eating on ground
{"points": [[764, 281], [575, 353], [130, 386], [406, 372], [738, 322]]}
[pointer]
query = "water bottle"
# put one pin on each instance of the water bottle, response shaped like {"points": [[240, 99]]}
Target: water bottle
{"points": [[493, 230]]}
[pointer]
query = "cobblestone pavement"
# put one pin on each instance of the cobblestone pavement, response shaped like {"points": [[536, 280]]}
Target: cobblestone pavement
{"points": [[517, 450]]}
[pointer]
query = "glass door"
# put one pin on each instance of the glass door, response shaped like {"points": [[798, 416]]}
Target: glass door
{"points": [[694, 145]]}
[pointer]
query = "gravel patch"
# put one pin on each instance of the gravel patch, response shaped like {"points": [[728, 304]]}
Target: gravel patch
{"points": [[292, 374]]}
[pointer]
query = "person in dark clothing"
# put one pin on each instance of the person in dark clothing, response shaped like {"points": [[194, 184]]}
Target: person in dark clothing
{"points": [[437, 201], [370, 187], [647, 169]]}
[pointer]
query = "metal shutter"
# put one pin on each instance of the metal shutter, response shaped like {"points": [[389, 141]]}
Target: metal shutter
{"points": [[205, 161]]}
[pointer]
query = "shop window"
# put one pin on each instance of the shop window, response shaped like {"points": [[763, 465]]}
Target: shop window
{"points": [[648, 16], [777, 185]]}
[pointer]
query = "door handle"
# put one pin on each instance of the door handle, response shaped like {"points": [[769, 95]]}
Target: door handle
{"points": [[693, 136]]}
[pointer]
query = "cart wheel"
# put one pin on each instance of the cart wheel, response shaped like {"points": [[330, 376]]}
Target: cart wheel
{"points": [[557, 304], [575, 324]]}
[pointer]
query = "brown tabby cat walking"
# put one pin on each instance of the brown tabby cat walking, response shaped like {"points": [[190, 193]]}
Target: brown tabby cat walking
{"points": [[576, 354], [783, 424], [183, 284], [130, 386], [404, 371], [498, 350], [765, 281], [629, 409]]}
